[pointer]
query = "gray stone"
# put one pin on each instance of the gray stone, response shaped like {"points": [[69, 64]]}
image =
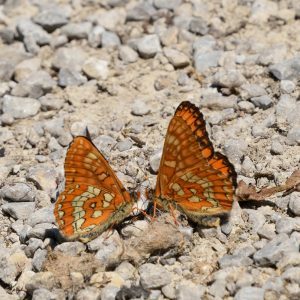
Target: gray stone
{"points": [[77, 30], [31, 45], [293, 137], [276, 147], [7, 35], [235, 149], [155, 160], [252, 90], [287, 86], [4, 88], [273, 284], [70, 77], [262, 102], [234, 260], [32, 245], [50, 19], [5, 296], [53, 145], [287, 70], [6, 70], [5, 135], [124, 145], [71, 248], [183, 79], [204, 44], [250, 293], [267, 231], [189, 291], [7, 119], [247, 250], [20, 108], [51, 102], [58, 41], [126, 270], [274, 250], [95, 68], [176, 58], [27, 29], [294, 203], [204, 61], [35, 85], [18, 192], [111, 19], [285, 225], [198, 26], [65, 139], [246, 106], [292, 275], [248, 166], [44, 177], [169, 36], [54, 126], [168, 4], [218, 288], [285, 108], [109, 292], [27, 68], [72, 58], [259, 131], [228, 78], [10, 56], [110, 249], [292, 259], [169, 291], [271, 55], [40, 231], [44, 294], [255, 218], [40, 280], [110, 39], [127, 54], [140, 108], [38, 259], [23, 233], [148, 46], [89, 293], [141, 12], [154, 276], [8, 270], [19, 210], [95, 36], [42, 215]]}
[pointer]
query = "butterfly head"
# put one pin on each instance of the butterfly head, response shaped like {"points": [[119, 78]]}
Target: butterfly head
{"points": [[142, 197]]}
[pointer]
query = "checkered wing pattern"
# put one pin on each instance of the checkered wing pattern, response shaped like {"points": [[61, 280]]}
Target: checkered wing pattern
{"points": [[192, 177], [94, 199]]}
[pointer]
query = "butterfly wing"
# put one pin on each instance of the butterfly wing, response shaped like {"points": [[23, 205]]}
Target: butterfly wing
{"points": [[94, 199], [192, 177]]}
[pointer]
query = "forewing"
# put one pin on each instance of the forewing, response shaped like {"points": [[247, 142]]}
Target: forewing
{"points": [[191, 174], [94, 199]]}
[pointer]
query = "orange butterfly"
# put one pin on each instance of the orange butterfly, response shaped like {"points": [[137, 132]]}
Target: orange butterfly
{"points": [[192, 178]]}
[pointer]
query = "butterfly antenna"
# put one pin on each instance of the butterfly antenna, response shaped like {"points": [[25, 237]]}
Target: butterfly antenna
{"points": [[87, 134]]}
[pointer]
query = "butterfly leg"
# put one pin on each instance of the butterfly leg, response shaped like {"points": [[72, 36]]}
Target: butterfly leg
{"points": [[172, 211], [135, 211]]}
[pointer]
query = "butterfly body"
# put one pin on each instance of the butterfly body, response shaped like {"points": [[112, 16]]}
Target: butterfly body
{"points": [[192, 178]]}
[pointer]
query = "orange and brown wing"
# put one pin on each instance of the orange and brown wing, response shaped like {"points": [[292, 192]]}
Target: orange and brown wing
{"points": [[94, 199], [192, 176]]}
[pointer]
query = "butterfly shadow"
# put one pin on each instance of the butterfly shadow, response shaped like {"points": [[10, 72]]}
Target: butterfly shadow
{"points": [[55, 236]]}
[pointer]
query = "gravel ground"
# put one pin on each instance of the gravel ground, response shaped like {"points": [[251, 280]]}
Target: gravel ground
{"points": [[121, 68]]}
